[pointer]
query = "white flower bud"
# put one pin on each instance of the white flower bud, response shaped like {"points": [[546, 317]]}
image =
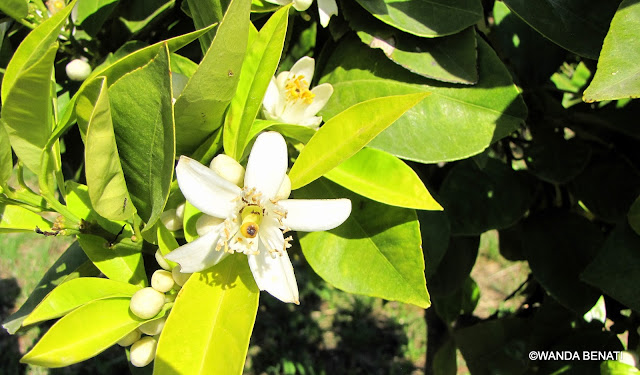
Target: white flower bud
{"points": [[78, 70], [228, 168], [130, 338], [143, 351], [628, 357], [161, 261], [153, 327], [146, 303], [206, 223], [285, 188], [301, 5], [180, 211], [170, 220], [162, 281], [179, 277]]}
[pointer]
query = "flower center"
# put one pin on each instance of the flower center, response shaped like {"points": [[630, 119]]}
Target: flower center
{"points": [[251, 218], [298, 88]]}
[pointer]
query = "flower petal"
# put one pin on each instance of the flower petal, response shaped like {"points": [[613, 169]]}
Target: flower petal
{"points": [[322, 94], [198, 255], [273, 101], [310, 215], [301, 5], [305, 66], [279, 2], [204, 189], [275, 275], [267, 164], [326, 9]]}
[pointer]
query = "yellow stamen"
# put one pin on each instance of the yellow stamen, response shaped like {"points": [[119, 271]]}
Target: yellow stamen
{"points": [[298, 88]]}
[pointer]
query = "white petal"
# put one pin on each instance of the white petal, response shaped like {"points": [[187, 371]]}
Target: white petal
{"points": [[322, 94], [305, 67], [267, 164], [310, 215], [301, 5], [271, 97], [281, 80], [206, 224], [326, 9], [275, 275], [294, 112], [279, 2], [204, 189], [312, 122], [270, 235], [199, 254]]}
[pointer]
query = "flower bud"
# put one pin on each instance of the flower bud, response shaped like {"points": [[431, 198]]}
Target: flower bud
{"points": [[143, 351], [130, 338], [206, 223], [146, 303], [171, 220], [153, 327], [162, 281], [628, 357], [228, 168], [180, 211], [161, 261], [78, 70], [179, 277], [285, 188]]}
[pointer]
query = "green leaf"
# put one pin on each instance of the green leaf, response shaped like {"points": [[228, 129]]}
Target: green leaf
{"points": [[146, 143], [347, 133], [83, 333], [18, 9], [499, 193], [617, 368], [455, 266], [105, 179], [614, 269], [33, 48], [205, 13], [6, 161], [428, 18], [577, 25], [448, 59], [258, 68], [166, 242], [79, 203], [453, 123], [19, 219], [200, 109], [555, 159], [143, 14], [71, 264], [121, 261], [74, 293], [444, 361], [91, 14], [299, 133], [435, 231], [463, 301], [376, 252], [210, 325], [559, 245], [27, 109], [617, 76], [382, 177]]}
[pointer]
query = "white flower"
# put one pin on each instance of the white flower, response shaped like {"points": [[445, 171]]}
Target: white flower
{"points": [[254, 220], [326, 8], [289, 100]]}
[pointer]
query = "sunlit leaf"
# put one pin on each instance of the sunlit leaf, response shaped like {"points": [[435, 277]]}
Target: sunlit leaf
{"points": [[19, 219], [121, 261]]}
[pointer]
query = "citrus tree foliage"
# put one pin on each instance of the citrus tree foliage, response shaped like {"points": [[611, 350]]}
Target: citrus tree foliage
{"points": [[178, 142]]}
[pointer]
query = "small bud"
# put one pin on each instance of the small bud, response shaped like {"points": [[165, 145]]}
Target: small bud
{"points": [[130, 338], [180, 211], [179, 277], [170, 220], [206, 223], [628, 357], [162, 281], [78, 70], [153, 327], [285, 188], [143, 351], [228, 168], [146, 303]]}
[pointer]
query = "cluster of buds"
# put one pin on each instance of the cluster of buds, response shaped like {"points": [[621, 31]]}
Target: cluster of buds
{"points": [[172, 218], [146, 304]]}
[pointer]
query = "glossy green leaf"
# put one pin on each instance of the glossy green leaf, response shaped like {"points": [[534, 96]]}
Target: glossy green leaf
{"points": [[376, 252], [6, 161], [17, 9], [205, 13], [258, 68], [300, 133], [435, 231], [383, 177], [200, 109], [74, 293], [166, 242], [577, 25], [141, 15], [91, 14], [555, 159], [347, 133], [617, 75], [27, 111], [614, 269], [455, 122], [182, 65], [71, 264], [191, 216], [210, 325], [79, 203], [18, 219], [145, 143], [558, 246], [83, 333], [501, 194], [121, 261], [455, 266], [33, 48], [105, 180], [617, 368], [428, 18]]}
